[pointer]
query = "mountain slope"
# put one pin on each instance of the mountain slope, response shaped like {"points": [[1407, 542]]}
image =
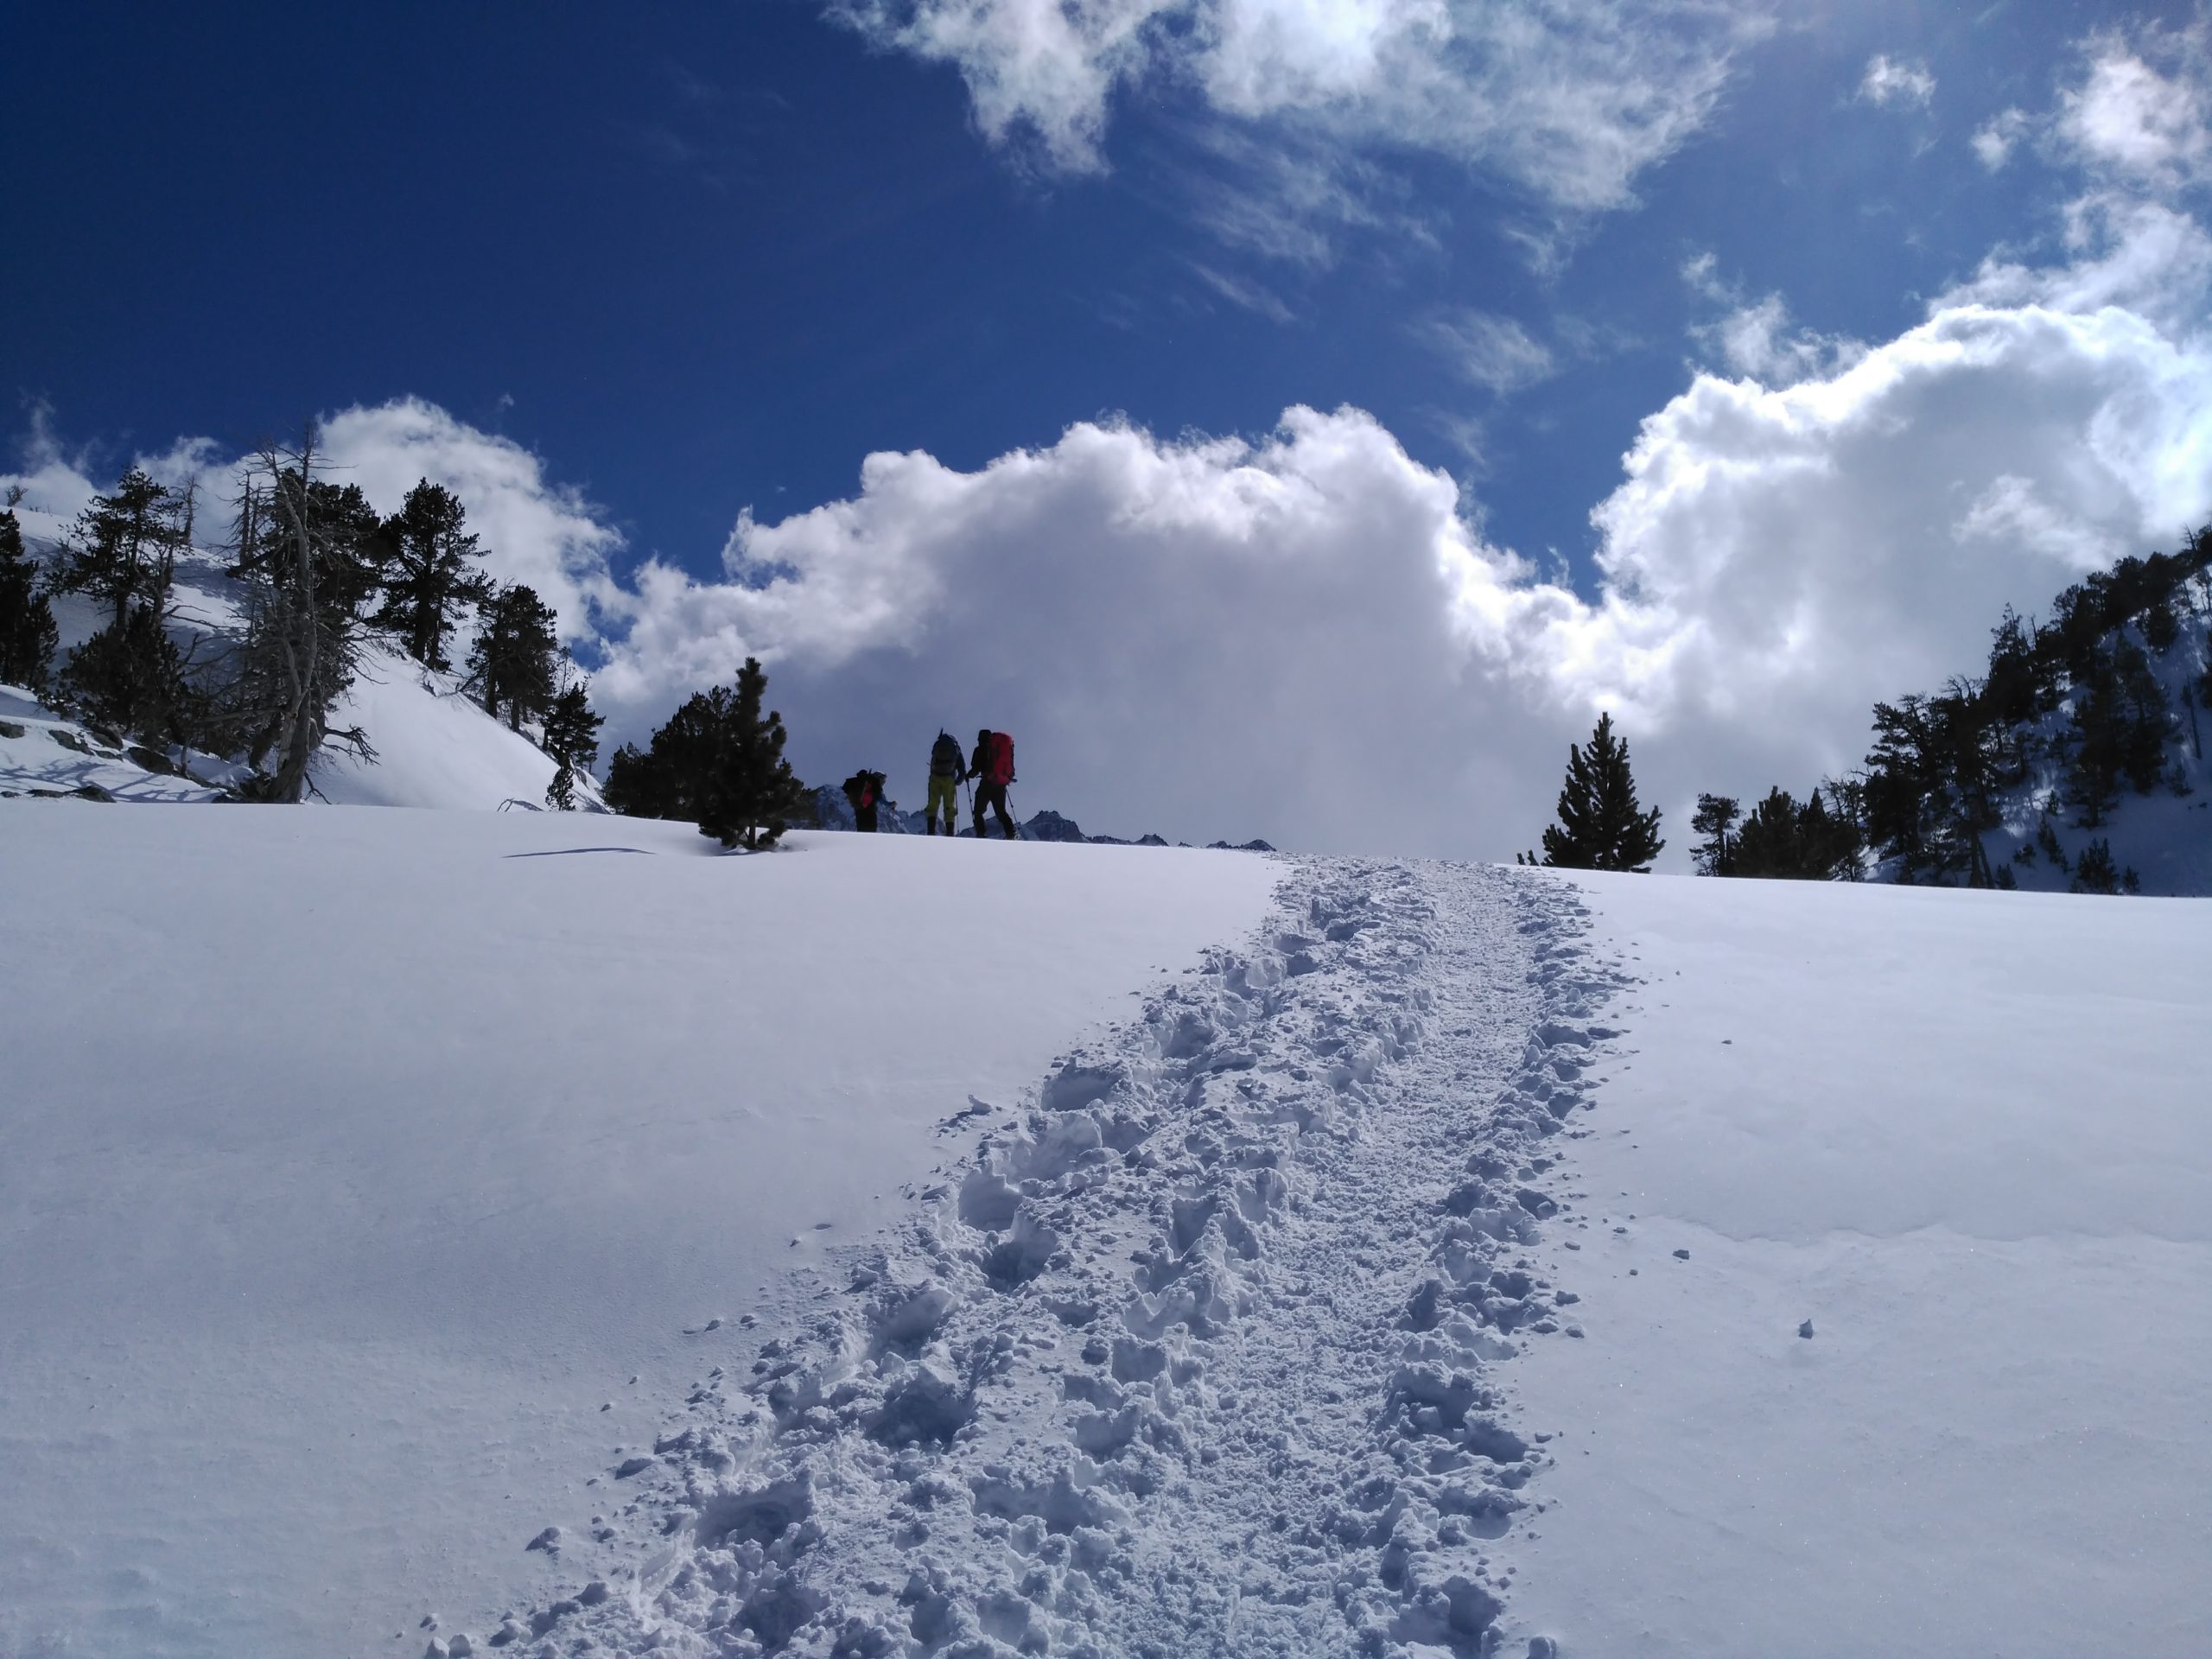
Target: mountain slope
{"points": [[911, 1247], [433, 744]]}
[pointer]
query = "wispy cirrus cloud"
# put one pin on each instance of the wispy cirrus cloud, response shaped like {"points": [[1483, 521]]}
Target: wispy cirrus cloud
{"points": [[1565, 102], [1489, 349]]}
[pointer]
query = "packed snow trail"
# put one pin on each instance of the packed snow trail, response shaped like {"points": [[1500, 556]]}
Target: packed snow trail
{"points": [[1204, 1351]]}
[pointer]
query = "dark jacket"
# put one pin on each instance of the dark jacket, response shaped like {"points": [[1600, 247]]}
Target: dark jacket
{"points": [[944, 759]]}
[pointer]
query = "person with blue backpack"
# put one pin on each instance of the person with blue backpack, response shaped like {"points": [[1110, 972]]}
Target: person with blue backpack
{"points": [[991, 766]]}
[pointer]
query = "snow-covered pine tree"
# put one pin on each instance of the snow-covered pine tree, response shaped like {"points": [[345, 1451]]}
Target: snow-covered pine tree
{"points": [[1600, 827], [27, 627]]}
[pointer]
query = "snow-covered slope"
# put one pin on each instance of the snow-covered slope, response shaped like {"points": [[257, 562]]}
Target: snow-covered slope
{"points": [[1963, 1139], [44, 753], [2163, 836], [411, 1223], [435, 746], [352, 1161]]}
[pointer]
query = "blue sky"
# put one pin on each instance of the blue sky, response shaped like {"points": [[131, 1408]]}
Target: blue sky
{"points": [[697, 259]]}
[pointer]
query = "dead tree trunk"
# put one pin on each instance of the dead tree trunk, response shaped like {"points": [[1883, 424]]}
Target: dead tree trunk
{"points": [[302, 623]]}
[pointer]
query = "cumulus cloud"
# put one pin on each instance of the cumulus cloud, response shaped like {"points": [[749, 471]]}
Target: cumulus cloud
{"points": [[546, 535], [1568, 99], [533, 530], [1307, 635], [55, 482], [1898, 80], [2143, 112]]}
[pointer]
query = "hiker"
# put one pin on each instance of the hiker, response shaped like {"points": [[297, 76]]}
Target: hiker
{"points": [[947, 773], [991, 767], [864, 789]]}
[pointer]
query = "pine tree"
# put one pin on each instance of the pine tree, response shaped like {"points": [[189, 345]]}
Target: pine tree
{"points": [[1716, 817], [122, 546], [1600, 827], [514, 661], [430, 571], [122, 552], [130, 678], [26, 628], [718, 763], [2101, 734], [753, 794], [2093, 872], [572, 739]]}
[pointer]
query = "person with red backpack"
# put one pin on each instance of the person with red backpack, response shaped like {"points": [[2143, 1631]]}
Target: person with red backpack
{"points": [[864, 789], [993, 768]]}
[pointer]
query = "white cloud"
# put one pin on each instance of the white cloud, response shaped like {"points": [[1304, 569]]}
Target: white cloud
{"points": [[1758, 341], [1569, 99], [546, 535], [1700, 274], [54, 482], [2143, 113], [2012, 509], [1247, 295], [1994, 140], [2150, 258], [533, 530], [1489, 349], [1898, 80], [1307, 635]]}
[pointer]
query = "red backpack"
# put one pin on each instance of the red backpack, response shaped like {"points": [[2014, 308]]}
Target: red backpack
{"points": [[998, 759]]}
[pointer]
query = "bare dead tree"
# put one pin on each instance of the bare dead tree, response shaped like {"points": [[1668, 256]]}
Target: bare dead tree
{"points": [[302, 650]]}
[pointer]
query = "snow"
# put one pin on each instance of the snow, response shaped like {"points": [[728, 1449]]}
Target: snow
{"points": [[434, 745], [45, 752], [353, 1160], [1964, 1135], [1224, 1254]]}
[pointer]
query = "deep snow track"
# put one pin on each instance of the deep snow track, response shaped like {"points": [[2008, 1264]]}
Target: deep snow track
{"points": [[1204, 1352]]}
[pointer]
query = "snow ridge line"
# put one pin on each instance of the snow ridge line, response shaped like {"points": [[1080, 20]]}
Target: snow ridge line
{"points": [[1196, 1358]]}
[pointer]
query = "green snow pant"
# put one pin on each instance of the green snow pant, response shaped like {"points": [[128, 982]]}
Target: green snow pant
{"points": [[944, 800]]}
